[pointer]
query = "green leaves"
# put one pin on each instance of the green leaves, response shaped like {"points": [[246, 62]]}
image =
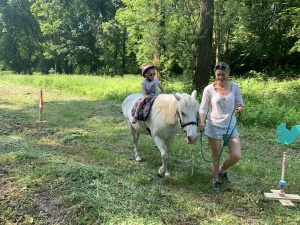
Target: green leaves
{"points": [[118, 37]]}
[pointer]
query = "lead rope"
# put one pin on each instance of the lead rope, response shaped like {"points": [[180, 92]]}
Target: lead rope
{"points": [[226, 140]]}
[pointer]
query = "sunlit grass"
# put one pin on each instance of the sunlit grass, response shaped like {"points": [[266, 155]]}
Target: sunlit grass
{"points": [[97, 87], [267, 103]]}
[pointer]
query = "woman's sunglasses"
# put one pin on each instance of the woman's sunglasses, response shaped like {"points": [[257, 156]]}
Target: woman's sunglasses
{"points": [[151, 74], [222, 67]]}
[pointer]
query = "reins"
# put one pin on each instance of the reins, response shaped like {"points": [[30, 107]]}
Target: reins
{"points": [[226, 140]]}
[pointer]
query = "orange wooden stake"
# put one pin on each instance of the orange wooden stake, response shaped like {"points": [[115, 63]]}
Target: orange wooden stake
{"points": [[41, 106]]}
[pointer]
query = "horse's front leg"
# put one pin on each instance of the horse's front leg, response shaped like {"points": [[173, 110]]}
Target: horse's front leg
{"points": [[163, 170], [135, 137], [168, 147]]}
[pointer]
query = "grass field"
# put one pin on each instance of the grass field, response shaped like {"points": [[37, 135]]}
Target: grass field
{"points": [[79, 167]]}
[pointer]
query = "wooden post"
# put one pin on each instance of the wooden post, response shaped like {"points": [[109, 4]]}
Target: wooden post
{"points": [[41, 107]]}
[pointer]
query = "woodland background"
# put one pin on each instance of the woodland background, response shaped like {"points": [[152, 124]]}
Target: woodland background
{"points": [[114, 37]]}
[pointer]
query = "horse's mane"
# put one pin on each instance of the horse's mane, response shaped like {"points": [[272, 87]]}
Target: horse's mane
{"points": [[166, 106]]}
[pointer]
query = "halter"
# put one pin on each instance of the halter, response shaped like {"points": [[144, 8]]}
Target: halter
{"points": [[184, 124]]}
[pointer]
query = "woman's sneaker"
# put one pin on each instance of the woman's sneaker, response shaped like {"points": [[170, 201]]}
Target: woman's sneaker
{"points": [[216, 185], [224, 177]]}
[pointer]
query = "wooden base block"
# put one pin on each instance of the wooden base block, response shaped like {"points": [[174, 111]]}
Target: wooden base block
{"points": [[284, 200], [42, 121], [286, 203]]}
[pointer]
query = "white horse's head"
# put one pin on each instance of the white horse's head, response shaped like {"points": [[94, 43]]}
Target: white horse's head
{"points": [[187, 112], [183, 108]]}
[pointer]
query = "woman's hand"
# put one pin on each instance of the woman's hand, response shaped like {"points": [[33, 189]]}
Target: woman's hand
{"points": [[201, 127], [240, 109], [202, 118]]}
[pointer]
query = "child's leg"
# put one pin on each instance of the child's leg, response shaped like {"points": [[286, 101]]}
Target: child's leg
{"points": [[138, 109]]}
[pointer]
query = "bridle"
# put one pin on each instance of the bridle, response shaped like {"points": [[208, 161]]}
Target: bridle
{"points": [[184, 124]]}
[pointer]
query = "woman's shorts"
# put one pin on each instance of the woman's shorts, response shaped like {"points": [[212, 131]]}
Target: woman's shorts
{"points": [[218, 132]]}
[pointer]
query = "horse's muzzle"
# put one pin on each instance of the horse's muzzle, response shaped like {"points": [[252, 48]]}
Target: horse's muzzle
{"points": [[192, 140]]}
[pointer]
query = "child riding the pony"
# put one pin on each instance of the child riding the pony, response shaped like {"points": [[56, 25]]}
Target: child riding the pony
{"points": [[149, 88]]}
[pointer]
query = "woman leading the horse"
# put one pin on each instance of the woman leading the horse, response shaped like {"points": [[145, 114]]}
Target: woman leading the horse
{"points": [[149, 88], [219, 101]]}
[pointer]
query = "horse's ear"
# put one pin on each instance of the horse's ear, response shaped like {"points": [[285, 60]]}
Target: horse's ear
{"points": [[177, 96], [194, 94]]}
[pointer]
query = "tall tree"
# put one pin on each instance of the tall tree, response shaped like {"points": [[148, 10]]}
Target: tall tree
{"points": [[160, 47], [203, 71], [50, 16], [165, 30], [142, 20], [292, 13], [217, 37], [19, 48], [258, 38], [225, 17]]}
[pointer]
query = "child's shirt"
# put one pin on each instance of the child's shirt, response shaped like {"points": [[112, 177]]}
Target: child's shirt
{"points": [[151, 87]]}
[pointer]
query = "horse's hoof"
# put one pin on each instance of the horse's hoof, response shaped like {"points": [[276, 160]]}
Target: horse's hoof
{"points": [[160, 174], [167, 174], [138, 159]]}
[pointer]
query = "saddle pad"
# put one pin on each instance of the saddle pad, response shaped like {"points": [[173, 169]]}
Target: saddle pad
{"points": [[145, 110]]}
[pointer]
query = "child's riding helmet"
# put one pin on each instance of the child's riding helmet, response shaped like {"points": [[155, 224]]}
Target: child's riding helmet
{"points": [[145, 68]]}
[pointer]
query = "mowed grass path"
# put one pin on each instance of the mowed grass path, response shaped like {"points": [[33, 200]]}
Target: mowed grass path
{"points": [[79, 168]]}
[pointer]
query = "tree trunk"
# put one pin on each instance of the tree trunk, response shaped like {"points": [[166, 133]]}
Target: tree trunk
{"points": [[227, 33], [160, 45], [201, 77], [56, 63], [124, 50], [217, 37]]}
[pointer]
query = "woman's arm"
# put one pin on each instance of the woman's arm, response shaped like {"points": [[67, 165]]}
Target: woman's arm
{"points": [[239, 103], [203, 109]]}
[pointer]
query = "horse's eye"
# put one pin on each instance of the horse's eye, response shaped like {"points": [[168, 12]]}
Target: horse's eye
{"points": [[182, 113]]}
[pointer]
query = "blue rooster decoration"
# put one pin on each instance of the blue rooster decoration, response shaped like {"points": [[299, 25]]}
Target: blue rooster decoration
{"points": [[286, 136]]}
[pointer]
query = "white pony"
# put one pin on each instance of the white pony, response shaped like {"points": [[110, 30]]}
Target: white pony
{"points": [[169, 112]]}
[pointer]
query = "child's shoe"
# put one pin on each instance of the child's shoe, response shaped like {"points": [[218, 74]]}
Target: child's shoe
{"points": [[134, 119]]}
